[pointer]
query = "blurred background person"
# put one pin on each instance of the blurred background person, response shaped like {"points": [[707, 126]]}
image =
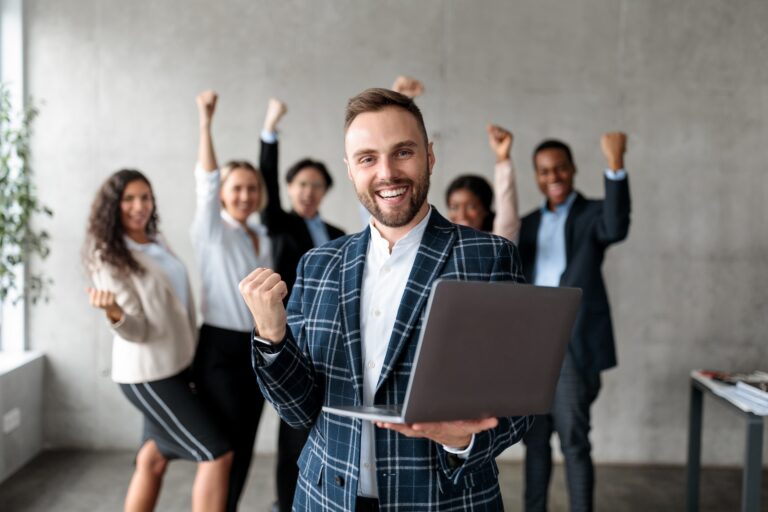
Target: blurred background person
{"points": [[229, 243], [294, 233], [143, 289], [563, 243], [470, 197]]}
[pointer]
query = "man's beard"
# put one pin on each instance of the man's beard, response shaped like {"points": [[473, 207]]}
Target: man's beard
{"points": [[406, 214]]}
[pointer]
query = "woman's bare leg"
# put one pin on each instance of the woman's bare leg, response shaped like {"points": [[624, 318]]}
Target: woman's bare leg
{"points": [[209, 493], [146, 480]]}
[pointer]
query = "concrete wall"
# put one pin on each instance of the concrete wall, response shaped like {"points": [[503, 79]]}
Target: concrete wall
{"points": [[687, 80]]}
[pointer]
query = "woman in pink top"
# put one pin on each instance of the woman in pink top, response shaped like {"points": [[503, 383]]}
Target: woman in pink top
{"points": [[469, 197]]}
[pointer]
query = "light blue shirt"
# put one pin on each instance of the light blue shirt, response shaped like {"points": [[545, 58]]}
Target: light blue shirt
{"points": [[550, 240], [317, 230], [172, 267]]}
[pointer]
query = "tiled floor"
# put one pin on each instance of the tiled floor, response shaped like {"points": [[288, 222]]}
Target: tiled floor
{"points": [[80, 481]]}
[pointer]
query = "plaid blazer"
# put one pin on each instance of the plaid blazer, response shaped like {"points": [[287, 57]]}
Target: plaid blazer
{"points": [[320, 364]]}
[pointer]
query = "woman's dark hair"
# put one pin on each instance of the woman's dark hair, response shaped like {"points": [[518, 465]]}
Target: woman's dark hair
{"points": [[105, 235], [481, 188], [314, 164]]}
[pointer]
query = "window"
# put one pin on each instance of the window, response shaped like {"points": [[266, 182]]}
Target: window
{"points": [[12, 316]]}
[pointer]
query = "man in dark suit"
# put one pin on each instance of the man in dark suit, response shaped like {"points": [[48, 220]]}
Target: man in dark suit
{"points": [[353, 321], [292, 233], [563, 243]]}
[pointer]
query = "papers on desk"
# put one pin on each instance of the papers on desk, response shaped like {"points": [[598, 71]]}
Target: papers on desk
{"points": [[733, 387]]}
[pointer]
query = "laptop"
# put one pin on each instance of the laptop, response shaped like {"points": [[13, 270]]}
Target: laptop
{"points": [[486, 349]]}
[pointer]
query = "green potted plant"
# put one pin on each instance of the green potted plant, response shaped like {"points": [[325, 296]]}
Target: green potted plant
{"points": [[19, 240]]}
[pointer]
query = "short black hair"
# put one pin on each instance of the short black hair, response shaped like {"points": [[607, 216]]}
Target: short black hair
{"points": [[315, 164], [553, 144]]}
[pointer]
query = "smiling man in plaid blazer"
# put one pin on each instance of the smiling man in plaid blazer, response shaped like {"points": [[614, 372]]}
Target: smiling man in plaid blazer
{"points": [[355, 315]]}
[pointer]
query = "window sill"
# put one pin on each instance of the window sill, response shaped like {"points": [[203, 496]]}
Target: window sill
{"points": [[10, 361]]}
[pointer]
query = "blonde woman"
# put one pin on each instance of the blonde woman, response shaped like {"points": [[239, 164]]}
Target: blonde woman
{"points": [[229, 244]]}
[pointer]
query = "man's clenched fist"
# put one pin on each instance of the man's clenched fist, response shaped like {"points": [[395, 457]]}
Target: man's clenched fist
{"points": [[614, 145], [263, 291]]}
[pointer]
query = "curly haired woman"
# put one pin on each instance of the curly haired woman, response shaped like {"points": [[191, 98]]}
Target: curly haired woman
{"points": [[143, 289]]}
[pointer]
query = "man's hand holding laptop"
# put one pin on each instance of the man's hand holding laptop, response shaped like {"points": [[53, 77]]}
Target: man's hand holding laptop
{"points": [[454, 434]]}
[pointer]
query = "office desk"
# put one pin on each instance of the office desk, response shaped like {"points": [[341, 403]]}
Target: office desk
{"points": [[753, 465]]}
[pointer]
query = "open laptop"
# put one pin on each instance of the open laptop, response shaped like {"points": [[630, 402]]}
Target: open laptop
{"points": [[487, 349]]}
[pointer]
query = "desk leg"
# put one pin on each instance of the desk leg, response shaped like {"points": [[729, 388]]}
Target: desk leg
{"points": [[694, 449], [753, 465]]}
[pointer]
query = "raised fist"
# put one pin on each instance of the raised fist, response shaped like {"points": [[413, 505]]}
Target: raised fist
{"points": [[614, 145], [206, 104], [276, 109], [104, 299], [263, 291], [408, 86], [500, 140]]}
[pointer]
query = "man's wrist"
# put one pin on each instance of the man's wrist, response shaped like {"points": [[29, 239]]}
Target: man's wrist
{"points": [[273, 338], [615, 164], [462, 453], [265, 345]]}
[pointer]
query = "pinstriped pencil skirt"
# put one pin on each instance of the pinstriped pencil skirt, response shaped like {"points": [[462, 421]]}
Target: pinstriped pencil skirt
{"points": [[175, 418]]}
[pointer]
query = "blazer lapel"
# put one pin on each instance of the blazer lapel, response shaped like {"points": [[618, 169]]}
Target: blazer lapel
{"points": [[435, 247], [352, 267]]}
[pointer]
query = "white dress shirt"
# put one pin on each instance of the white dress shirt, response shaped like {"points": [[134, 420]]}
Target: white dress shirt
{"points": [[225, 255], [384, 279]]}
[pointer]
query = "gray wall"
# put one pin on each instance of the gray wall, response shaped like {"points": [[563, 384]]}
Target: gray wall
{"points": [[687, 80]]}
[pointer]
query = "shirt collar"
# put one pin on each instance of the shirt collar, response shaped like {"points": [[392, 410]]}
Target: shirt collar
{"points": [[315, 221], [413, 237], [561, 208], [253, 225]]}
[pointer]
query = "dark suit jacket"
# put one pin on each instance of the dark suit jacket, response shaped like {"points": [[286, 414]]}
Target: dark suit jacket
{"points": [[287, 230], [320, 363], [591, 227]]}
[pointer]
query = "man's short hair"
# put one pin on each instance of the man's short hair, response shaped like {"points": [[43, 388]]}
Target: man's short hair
{"points": [[553, 144], [376, 99], [305, 163]]}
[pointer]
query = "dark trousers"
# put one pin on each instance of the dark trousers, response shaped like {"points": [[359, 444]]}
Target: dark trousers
{"points": [[227, 384], [366, 504], [290, 442], [570, 418]]}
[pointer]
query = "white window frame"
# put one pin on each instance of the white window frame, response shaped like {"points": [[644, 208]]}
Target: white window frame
{"points": [[13, 328]]}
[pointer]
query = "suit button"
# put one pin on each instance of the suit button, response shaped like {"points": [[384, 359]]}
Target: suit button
{"points": [[339, 481]]}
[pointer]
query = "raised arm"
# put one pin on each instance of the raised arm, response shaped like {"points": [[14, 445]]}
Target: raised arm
{"points": [[122, 306], [285, 373], [206, 105], [268, 163], [507, 221], [614, 225], [614, 145], [408, 86]]}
